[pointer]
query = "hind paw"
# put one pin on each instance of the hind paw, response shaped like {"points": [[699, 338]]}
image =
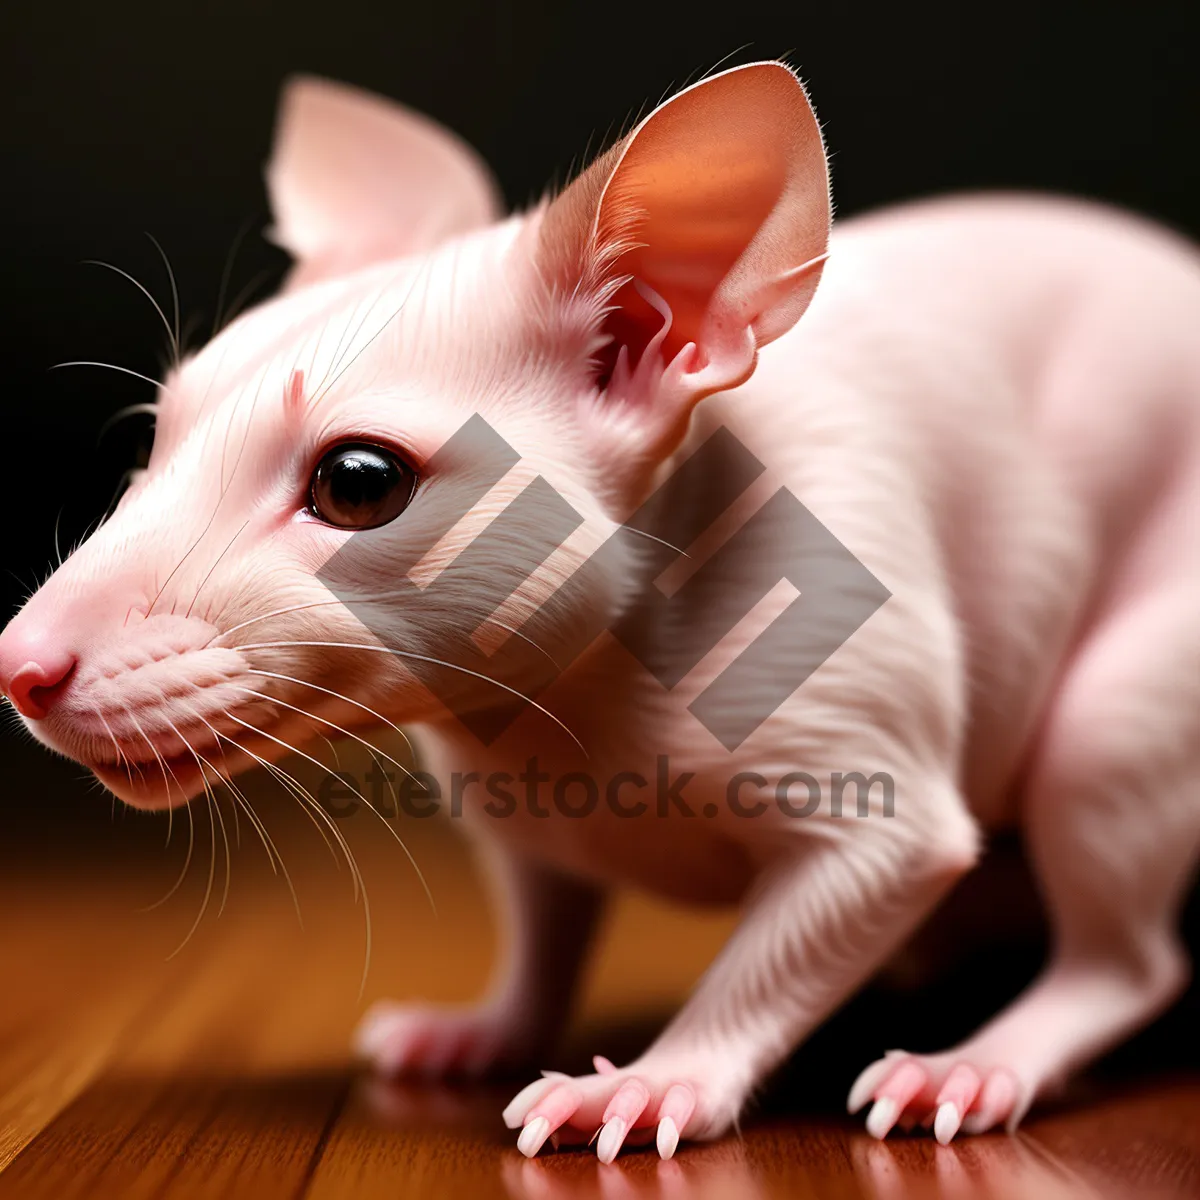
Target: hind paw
{"points": [[944, 1093], [434, 1043]]}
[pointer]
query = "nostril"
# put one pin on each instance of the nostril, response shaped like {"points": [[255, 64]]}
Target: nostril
{"points": [[38, 685]]}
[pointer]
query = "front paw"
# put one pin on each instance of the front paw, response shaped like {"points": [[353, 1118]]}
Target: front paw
{"points": [[648, 1101], [435, 1043]]}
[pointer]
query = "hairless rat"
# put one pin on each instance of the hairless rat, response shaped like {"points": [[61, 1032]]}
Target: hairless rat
{"points": [[992, 403]]}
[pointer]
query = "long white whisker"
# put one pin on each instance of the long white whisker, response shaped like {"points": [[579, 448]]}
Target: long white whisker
{"points": [[274, 858], [427, 659], [660, 541], [339, 696], [304, 712], [203, 762], [212, 862], [526, 639], [374, 750], [166, 783], [273, 855], [177, 339], [356, 874], [95, 262], [345, 847], [130, 410], [291, 785], [107, 366]]}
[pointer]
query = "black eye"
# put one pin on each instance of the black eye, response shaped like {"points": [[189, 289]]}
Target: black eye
{"points": [[359, 486]]}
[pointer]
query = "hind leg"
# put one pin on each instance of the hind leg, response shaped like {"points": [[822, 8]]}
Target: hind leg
{"points": [[1112, 817]]}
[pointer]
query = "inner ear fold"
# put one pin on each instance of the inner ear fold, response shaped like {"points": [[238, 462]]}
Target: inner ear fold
{"points": [[716, 209]]}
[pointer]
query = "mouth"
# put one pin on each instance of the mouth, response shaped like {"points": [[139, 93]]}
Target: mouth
{"points": [[165, 781], [178, 774]]}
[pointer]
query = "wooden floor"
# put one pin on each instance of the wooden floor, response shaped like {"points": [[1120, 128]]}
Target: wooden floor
{"points": [[136, 1061]]}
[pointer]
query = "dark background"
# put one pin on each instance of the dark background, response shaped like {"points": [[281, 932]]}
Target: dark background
{"points": [[125, 117]]}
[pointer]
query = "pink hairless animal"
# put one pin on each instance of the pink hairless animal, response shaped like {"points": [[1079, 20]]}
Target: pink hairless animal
{"points": [[992, 403]]}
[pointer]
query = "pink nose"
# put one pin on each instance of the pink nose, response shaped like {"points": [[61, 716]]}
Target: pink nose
{"points": [[33, 670]]}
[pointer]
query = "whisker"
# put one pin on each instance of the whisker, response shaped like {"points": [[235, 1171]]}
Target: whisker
{"points": [[57, 548], [337, 758], [121, 757], [95, 262], [660, 541], [186, 556], [227, 272], [427, 659], [279, 612], [107, 366], [228, 857], [526, 639], [360, 885], [340, 696], [216, 561], [273, 855], [212, 862], [308, 758], [214, 805], [343, 342], [130, 410], [191, 829], [290, 784], [174, 295], [374, 750], [379, 599], [325, 721], [360, 352], [239, 797]]}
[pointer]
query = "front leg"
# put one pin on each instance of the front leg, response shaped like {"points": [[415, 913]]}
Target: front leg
{"points": [[824, 916], [548, 920]]}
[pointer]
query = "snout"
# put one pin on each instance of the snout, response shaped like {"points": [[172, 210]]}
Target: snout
{"points": [[36, 667], [143, 703]]}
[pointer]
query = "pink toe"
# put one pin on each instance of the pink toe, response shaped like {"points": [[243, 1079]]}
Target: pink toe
{"points": [[960, 1089], [678, 1105], [903, 1085], [629, 1102], [520, 1105], [996, 1101], [863, 1088], [558, 1106]]}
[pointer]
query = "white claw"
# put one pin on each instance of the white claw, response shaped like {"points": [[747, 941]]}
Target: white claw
{"points": [[882, 1117], [532, 1136], [946, 1123], [514, 1115], [866, 1083], [611, 1137], [668, 1137]]}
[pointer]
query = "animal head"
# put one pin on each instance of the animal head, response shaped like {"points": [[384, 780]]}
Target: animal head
{"points": [[307, 496]]}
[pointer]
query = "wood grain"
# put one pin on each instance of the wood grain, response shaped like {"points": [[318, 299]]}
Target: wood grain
{"points": [[131, 1067]]}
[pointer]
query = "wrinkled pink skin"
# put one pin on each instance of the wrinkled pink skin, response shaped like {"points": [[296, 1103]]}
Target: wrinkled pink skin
{"points": [[994, 402]]}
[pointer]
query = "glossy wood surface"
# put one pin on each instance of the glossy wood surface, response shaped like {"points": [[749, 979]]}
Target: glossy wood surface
{"points": [[138, 1062]]}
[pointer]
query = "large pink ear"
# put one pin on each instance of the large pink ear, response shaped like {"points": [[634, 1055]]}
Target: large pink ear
{"points": [[355, 179], [701, 234]]}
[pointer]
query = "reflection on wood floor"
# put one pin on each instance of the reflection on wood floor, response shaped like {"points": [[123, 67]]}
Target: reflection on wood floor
{"points": [[139, 1061]]}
